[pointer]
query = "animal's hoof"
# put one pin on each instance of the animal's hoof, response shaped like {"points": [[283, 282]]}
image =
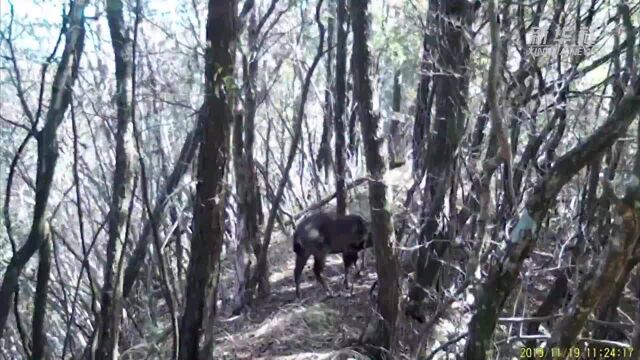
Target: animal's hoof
{"points": [[347, 293]]}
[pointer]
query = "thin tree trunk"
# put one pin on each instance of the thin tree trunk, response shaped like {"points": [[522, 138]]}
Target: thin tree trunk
{"points": [[111, 303], [47, 154], [208, 222], [179, 247], [422, 120], [394, 137], [324, 158], [249, 138], [608, 309], [341, 69], [552, 301], [246, 181], [243, 246], [40, 299], [387, 265]]}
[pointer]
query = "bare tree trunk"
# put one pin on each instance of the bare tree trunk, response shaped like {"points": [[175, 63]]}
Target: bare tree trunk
{"points": [[387, 265], [40, 299], [324, 158], [450, 56], [552, 301], [353, 147], [421, 126], [394, 137], [246, 180], [243, 246], [607, 311], [424, 100], [111, 303], [339, 128], [47, 154], [208, 222], [179, 248]]}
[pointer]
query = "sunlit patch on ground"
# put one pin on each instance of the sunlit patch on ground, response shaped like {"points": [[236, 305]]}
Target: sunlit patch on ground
{"points": [[280, 327]]}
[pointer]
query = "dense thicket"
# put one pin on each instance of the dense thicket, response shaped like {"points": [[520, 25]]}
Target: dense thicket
{"points": [[156, 157]]}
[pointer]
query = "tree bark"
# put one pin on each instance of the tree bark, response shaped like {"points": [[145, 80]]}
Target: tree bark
{"points": [[450, 57], [552, 301], [394, 137], [62, 87], [40, 299], [324, 158], [111, 302], [243, 246], [387, 265], [608, 309], [251, 200], [246, 181], [206, 243], [424, 100], [341, 69]]}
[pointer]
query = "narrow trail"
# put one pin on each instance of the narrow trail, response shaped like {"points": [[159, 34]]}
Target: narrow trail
{"points": [[281, 327]]}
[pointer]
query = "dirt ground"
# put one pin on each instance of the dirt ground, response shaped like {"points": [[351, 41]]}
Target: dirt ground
{"points": [[282, 327], [317, 327]]}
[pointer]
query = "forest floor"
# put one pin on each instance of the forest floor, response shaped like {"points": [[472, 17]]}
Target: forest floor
{"points": [[282, 327], [317, 327]]}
